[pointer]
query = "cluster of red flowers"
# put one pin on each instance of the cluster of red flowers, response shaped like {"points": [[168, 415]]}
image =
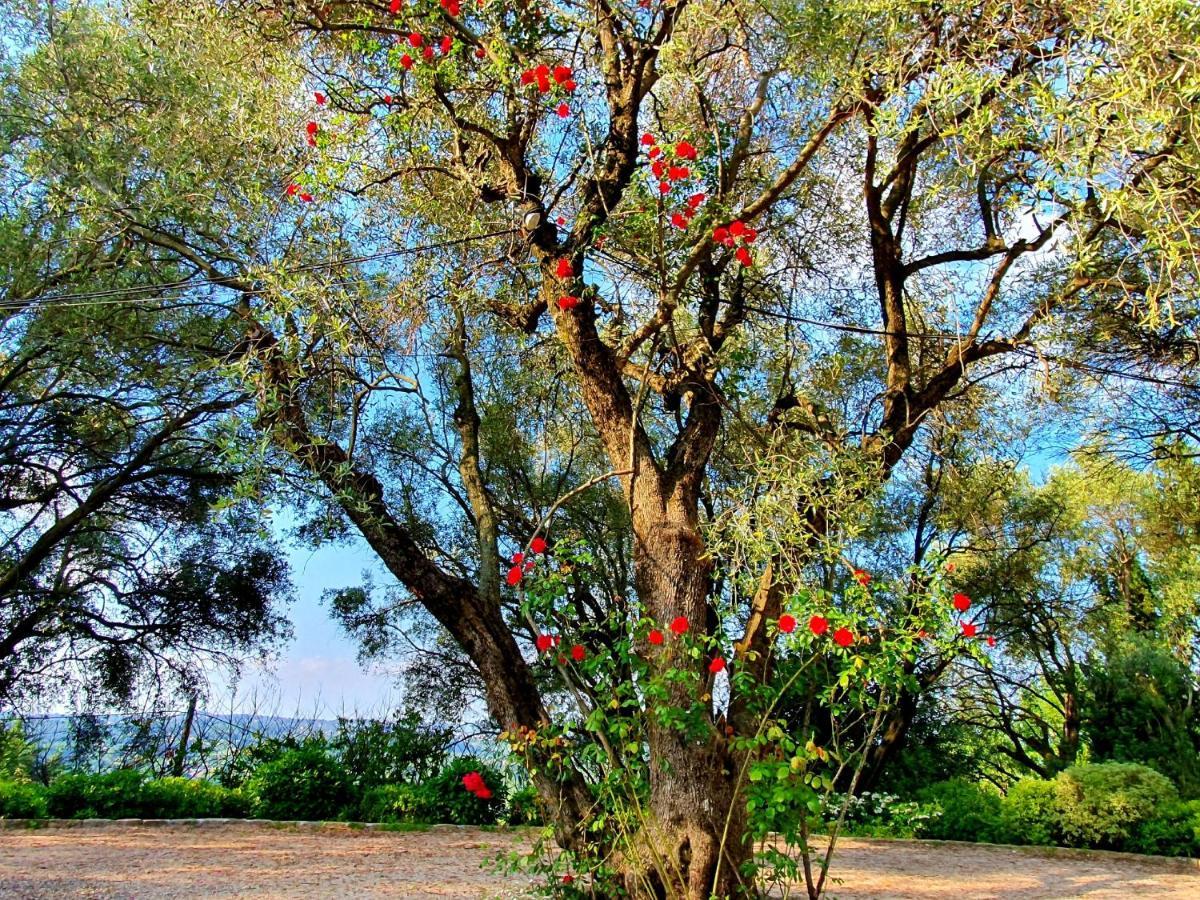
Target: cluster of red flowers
{"points": [[475, 784], [521, 565], [684, 218], [451, 6], [415, 40], [818, 625], [734, 234], [962, 603], [293, 190], [669, 169], [312, 129], [541, 75]]}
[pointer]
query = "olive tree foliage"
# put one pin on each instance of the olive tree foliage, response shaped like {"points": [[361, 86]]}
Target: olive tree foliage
{"points": [[118, 574], [461, 269]]}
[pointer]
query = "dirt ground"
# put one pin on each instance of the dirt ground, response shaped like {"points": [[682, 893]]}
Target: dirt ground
{"points": [[250, 861]]}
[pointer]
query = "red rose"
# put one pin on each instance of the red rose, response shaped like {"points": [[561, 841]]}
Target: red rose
{"points": [[319, 97], [743, 256], [514, 576], [969, 629], [843, 637], [568, 302], [679, 220], [415, 40], [720, 235], [787, 624], [578, 653], [962, 602], [544, 642], [679, 625], [538, 545], [655, 637], [818, 625], [564, 269], [717, 665], [406, 61], [312, 128], [562, 74], [684, 150], [563, 111], [648, 140], [395, 6]]}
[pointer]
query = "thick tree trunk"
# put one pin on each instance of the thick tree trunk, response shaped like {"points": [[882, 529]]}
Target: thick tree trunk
{"points": [[692, 840]]}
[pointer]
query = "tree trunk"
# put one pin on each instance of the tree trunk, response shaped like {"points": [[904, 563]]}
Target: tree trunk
{"points": [[691, 843]]}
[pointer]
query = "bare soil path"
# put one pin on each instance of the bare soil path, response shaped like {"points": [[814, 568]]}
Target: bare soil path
{"points": [[243, 861]]}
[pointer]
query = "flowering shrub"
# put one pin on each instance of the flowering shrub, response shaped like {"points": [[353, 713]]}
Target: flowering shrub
{"points": [[878, 814]]}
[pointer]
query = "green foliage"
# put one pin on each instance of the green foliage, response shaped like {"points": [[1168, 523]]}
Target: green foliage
{"points": [[22, 800], [969, 812], [17, 753], [523, 807], [876, 814], [375, 752], [1173, 830], [238, 767], [190, 798], [305, 783], [1029, 813], [395, 803], [110, 795], [444, 798], [1102, 805]]}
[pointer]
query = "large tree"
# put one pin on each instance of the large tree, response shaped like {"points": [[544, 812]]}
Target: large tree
{"points": [[801, 228]]}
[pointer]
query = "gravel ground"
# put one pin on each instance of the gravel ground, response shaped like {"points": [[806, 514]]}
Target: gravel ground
{"points": [[164, 863]]}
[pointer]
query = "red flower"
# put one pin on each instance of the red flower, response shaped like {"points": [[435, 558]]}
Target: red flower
{"points": [[750, 236], [578, 653], [527, 77], [395, 6], [538, 544], [561, 221], [484, 793], [738, 228], [569, 85], [654, 152], [743, 256], [787, 624], [664, 187], [684, 150], [415, 40], [568, 302], [387, 99], [562, 74], [406, 61], [563, 111], [473, 782], [843, 637], [564, 269], [991, 641], [529, 565], [818, 625], [720, 235], [451, 6], [717, 665], [949, 567], [312, 128], [447, 44], [319, 97], [962, 602], [679, 625], [655, 637], [648, 140], [696, 199], [678, 173], [658, 167], [679, 220], [480, 53], [293, 189], [568, 879], [862, 577], [518, 558], [922, 634], [514, 576], [544, 642], [306, 197], [542, 74], [427, 53], [969, 629]]}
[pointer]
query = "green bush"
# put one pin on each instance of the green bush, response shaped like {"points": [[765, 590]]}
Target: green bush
{"points": [[1103, 805], [970, 812], [523, 807], [394, 803], [187, 798], [305, 783], [1029, 813], [1173, 830], [17, 752], [22, 800], [111, 795], [446, 800]]}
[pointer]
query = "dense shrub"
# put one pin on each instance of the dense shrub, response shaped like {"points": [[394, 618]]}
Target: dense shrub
{"points": [[1029, 813], [1103, 805], [22, 800], [400, 751], [394, 803], [238, 767], [304, 783], [445, 799], [17, 752], [876, 814], [969, 812], [1173, 830], [111, 795], [523, 807], [187, 798]]}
